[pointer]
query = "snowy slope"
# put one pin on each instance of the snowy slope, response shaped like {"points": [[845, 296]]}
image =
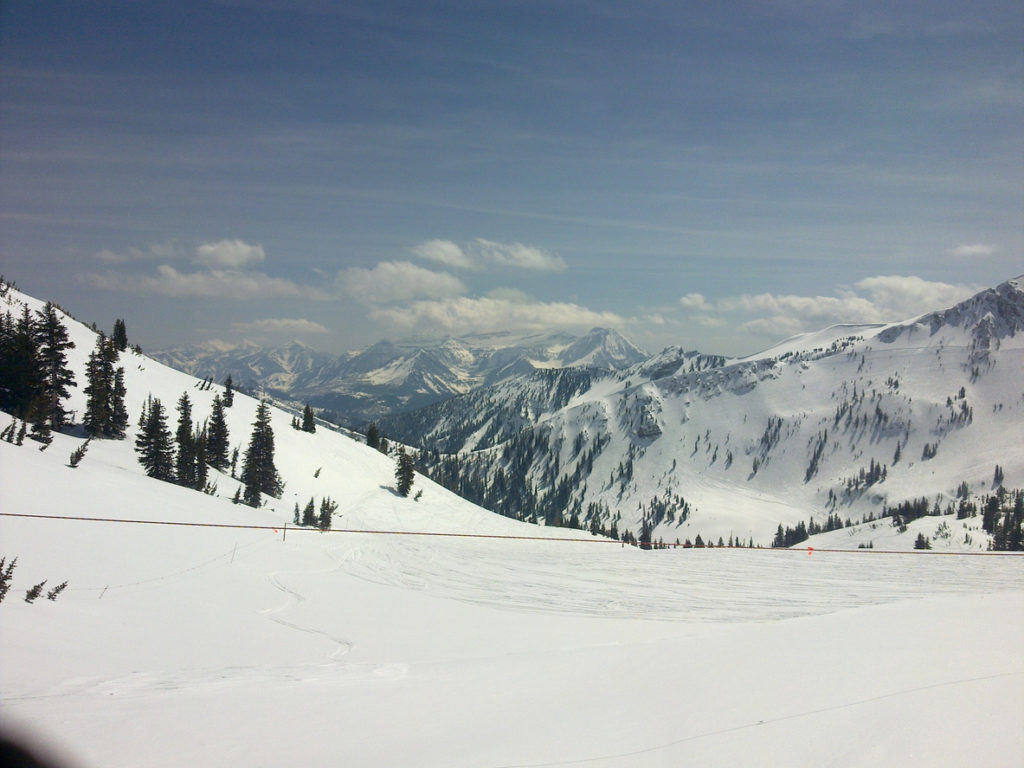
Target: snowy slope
{"points": [[733, 448], [216, 646]]}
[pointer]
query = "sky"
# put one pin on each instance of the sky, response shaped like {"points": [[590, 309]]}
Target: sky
{"points": [[718, 176]]}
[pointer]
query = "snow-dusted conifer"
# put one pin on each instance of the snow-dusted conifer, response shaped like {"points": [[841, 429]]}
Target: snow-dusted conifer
{"points": [[259, 474]]}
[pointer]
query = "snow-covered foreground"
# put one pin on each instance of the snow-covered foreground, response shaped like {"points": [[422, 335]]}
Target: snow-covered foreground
{"points": [[216, 647]]}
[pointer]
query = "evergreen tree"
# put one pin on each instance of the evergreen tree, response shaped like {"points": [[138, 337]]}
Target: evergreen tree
{"points": [[21, 375], [259, 475], [120, 336], [308, 420], [199, 442], [217, 436], [6, 574], [373, 436], [185, 464], [327, 508], [404, 472], [105, 414], [119, 413], [53, 342], [229, 392], [309, 513], [153, 443]]}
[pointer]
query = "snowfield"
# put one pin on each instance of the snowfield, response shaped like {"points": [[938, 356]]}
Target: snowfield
{"points": [[270, 646]]}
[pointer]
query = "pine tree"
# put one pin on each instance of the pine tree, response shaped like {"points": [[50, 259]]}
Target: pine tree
{"points": [[327, 509], [6, 574], [199, 442], [309, 513], [53, 342], [308, 420], [119, 413], [153, 443], [373, 436], [229, 392], [185, 463], [217, 436], [105, 414], [120, 336], [21, 375], [259, 475], [35, 592], [404, 472]]}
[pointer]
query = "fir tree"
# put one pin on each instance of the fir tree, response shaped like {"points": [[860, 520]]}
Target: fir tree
{"points": [[217, 436], [373, 436], [309, 513], [185, 464], [120, 336], [308, 420], [6, 574], [199, 442], [78, 454], [105, 414], [21, 376], [35, 592], [53, 342], [327, 509], [259, 474], [404, 472], [153, 443], [229, 392], [119, 413], [52, 594]]}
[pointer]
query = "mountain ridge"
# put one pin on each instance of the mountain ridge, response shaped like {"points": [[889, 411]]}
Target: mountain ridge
{"points": [[846, 422]]}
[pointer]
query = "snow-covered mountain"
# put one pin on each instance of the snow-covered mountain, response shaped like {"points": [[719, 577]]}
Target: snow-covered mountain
{"points": [[389, 377], [834, 424]]}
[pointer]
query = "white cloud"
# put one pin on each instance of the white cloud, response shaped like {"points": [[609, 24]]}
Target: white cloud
{"points": [[444, 252], [519, 256], [481, 254], [393, 281], [695, 301], [229, 254], [973, 251], [881, 299], [479, 315], [288, 325], [212, 283]]}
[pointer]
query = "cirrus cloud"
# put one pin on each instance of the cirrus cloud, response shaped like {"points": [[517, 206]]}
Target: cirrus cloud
{"points": [[204, 284]]}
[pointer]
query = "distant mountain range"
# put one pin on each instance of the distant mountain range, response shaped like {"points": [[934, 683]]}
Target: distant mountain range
{"points": [[388, 377], [825, 426]]}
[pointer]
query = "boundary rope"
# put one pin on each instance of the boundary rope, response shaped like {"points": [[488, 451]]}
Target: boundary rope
{"points": [[506, 537]]}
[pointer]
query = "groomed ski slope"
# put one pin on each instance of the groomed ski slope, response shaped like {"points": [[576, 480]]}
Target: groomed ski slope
{"points": [[200, 646]]}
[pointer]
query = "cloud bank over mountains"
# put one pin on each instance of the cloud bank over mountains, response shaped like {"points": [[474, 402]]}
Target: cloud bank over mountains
{"points": [[468, 288]]}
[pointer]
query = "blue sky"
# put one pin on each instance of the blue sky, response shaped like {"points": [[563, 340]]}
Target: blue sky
{"points": [[714, 175]]}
